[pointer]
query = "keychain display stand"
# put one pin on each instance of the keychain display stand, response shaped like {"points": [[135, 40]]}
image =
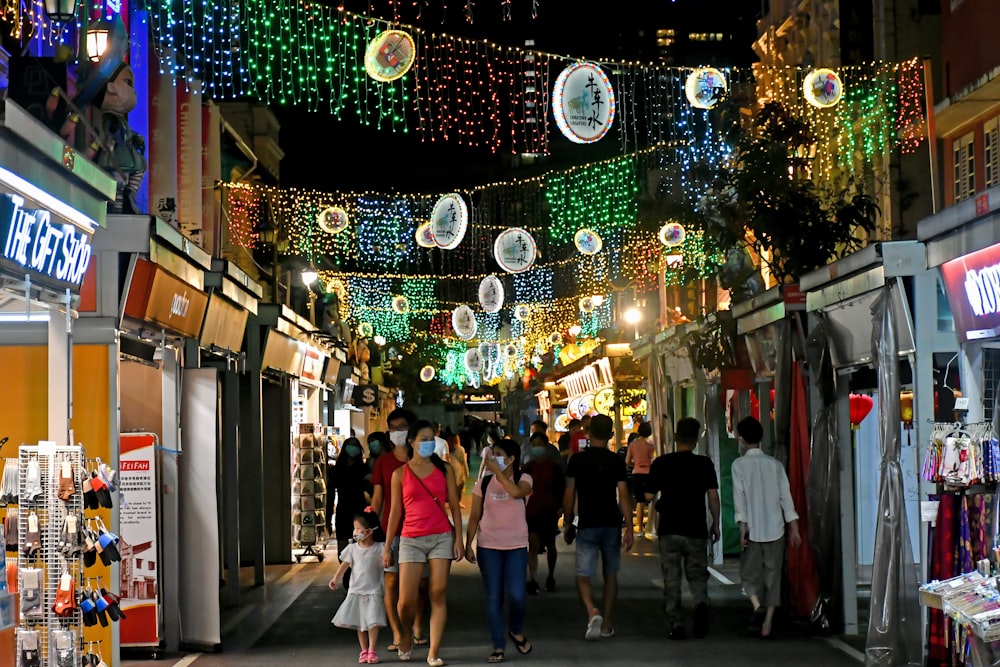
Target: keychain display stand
{"points": [[41, 565], [308, 490]]}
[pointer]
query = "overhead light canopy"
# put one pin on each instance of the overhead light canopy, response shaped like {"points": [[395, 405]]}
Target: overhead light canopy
{"points": [[60, 11]]}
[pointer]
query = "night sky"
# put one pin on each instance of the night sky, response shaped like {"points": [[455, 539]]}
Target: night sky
{"points": [[326, 154]]}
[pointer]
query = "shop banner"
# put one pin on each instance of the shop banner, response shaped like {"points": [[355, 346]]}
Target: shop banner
{"points": [[973, 286], [189, 160], [139, 548], [162, 140], [157, 296]]}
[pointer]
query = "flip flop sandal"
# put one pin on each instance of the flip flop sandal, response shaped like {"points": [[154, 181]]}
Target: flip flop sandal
{"points": [[496, 656], [392, 648], [523, 646], [421, 641]]}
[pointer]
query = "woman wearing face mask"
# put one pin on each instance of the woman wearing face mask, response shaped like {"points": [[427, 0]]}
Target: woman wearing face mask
{"points": [[377, 445], [498, 519], [420, 490], [350, 480]]}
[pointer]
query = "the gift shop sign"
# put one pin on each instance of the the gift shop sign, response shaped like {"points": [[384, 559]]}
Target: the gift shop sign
{"points": [[973, 285], [159, 297], [53, 252]]}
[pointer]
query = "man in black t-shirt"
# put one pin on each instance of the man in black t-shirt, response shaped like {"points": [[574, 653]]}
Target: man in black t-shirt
{"points": [[683, 479], [596, 482]]}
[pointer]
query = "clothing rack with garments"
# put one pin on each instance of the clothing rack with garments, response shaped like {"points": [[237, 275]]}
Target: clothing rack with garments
{"points": [[962, 455]]}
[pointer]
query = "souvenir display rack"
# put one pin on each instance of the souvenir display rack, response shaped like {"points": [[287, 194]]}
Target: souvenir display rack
{"points": [[308, 490], [972, 602]]}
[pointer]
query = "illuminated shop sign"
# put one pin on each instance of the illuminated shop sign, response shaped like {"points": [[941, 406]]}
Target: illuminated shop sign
{"points": [[973, 286], [55, 251]]}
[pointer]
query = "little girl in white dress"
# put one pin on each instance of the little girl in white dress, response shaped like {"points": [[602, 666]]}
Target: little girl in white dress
{"points": [[363, 609]]}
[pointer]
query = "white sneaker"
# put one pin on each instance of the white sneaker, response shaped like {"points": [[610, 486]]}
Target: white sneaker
{"points": [[650, 536], [594, 628]]}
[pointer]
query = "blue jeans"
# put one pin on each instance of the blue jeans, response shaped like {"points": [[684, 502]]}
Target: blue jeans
{"points": [[504, 571], [603, 541]]}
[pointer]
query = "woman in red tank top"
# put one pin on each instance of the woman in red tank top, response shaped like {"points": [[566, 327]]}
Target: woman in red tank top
{"points": [[420, 490]]}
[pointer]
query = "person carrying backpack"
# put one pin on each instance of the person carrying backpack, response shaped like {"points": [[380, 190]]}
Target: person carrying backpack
{"points": [[499, 524]]}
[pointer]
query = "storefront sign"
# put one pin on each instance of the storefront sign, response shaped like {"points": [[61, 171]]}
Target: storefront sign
{"points": [[140, 561], [312, 364], [55, 252], [225, 325], [156, 296], [973, 286], [365, 395]]}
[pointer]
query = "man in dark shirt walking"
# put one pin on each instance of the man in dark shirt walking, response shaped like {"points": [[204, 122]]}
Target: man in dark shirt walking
{"points": [[597, 481], [683, 479]]}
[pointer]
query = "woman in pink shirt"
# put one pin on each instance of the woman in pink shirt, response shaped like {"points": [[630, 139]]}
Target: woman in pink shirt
{"points": [[420, 490], [640, 456], [498, 516]]}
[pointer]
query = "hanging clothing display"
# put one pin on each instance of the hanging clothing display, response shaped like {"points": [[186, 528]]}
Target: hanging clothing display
{"points": [[960, 456]]}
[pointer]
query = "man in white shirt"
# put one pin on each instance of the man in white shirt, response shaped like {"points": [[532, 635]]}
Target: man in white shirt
{"points": [[764, 508]]}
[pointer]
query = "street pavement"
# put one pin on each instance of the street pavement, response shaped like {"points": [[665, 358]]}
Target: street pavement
{"points": [[287, 621]]}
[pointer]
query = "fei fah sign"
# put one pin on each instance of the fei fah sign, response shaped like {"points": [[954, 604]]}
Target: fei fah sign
{"points": [[52, 252]]}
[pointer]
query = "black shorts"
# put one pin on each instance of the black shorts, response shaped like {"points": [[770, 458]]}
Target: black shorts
{"points": [[639, 485], [545, 525]]}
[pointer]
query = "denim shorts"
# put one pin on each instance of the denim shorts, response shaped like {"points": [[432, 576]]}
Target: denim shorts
{"points": [[427, 547], [590, 542]]}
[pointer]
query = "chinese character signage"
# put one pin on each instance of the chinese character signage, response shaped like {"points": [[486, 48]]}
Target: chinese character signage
{"points": [[583, 103], [53, 252], [449, 220], [515, 250], [141, 563], [973, 286]]}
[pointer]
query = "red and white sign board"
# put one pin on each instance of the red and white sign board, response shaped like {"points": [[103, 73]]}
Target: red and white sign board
{"points": [[140, 565]]}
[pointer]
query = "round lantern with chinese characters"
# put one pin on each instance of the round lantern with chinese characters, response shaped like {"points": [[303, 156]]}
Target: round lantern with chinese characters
{"points": [[463, 321], [672, 234], [583, 103], [604, 401], [491, 294], [588, 241], [333, 220], [427, 373], [390, 55], [705, 87], [521, 312], [449, 221], [400, 304], [515, 250], [587, 304], [823, 88], [473, 360], [510, 350], [555, 338]]}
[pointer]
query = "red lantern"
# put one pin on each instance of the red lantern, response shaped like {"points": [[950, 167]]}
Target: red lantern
{"points": [[861, 405]]}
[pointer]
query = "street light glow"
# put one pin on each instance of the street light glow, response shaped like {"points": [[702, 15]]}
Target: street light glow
{"points": [[309, 276], [633, 316]]}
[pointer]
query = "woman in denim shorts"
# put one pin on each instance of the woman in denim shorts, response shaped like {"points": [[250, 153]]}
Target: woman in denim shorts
{"points": [[420, 490]]}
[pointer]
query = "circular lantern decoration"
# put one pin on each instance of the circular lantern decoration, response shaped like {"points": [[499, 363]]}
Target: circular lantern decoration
{"points": [[587, 404], [390, 55], [672, 234], [573, 409], [427, 373], [705, 87], [473, 360], [424, 236], [522, 311], [491, 294], [583, 103], [475, 382], [332, 220], [555, 338], [515, 250], [587, 304], [463, 321], [366, 330], [588, 241], [400, 304], [449, 220], [511, 350], [861, 405], [604, 401], [562, 422], [823, 88]]}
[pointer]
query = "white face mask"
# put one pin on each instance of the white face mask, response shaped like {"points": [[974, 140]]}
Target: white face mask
{"points": [[398, 438]]}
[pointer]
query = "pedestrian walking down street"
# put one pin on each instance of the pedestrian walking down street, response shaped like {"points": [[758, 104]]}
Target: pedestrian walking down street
{"points": [[429, 538], [683, 480], [596, 477], [640, 457], [363, 610], [459, 463], [544, 508], [763, 509], [499, 525], [351, 477]]}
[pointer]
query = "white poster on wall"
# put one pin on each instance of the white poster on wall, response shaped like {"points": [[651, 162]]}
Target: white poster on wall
{"points": [[138, 519], [199, 510]]}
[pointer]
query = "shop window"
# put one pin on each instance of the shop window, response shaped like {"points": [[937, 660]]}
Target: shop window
{"points": [[964, 152], [991, 152], [138, 563], [152, 566]]}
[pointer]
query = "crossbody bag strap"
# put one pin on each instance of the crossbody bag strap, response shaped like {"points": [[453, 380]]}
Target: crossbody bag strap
{"points": [[435, 498]]}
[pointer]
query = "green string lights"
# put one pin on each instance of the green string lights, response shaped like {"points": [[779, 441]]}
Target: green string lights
{"points": [[602, 198]]}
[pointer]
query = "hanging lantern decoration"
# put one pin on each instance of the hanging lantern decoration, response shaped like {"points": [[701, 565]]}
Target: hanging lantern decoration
{"points": [[522, 311], [573, 409], [491, 294], [463, 321], [604, 402], [366, 330], [562, 422], [510, 350], [906, 409], [587, 304], [400, 304], [390, 55], [588, 242], [555, 338], [515, 250], [424, 236], [672, 234], [473, 360], [475, 382], [861, 405], [583, 103], [823, 88], [449, 221], [427, 373], [705, 87], [333, 220]]}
